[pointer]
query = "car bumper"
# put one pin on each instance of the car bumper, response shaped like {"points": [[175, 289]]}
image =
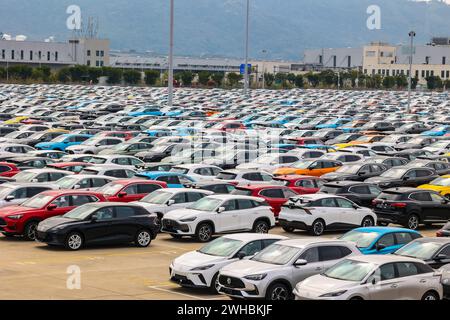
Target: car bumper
{"points": [[190, 279], [242, 288], [178, 228], [292, 224], [391, 217], [13, 227], [49, 238]]}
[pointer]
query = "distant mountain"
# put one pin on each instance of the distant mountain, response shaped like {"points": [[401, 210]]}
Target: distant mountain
{"points": [[216, 27]]}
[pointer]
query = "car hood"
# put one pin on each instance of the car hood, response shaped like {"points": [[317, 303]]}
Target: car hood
{"points": [[196, 259], [286, 171], [247, 267], [182, 213], [379, 179], [9, 210], [320, 284], [336, 175], [53, 222], [150, 206], [406, 146]]}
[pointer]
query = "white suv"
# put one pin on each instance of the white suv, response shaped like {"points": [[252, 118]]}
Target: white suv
{"points": [[319, 212], [219, 214], [200, 268], [273, 273]]}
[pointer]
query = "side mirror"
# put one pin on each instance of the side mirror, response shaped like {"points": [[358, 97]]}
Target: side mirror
{"points": [[380, 247], [170, 202], [9, 198], [241, 255], [77, 186], [405, 178], [374, 281], [356, 207], [440, 257], [220, 209], [362, 173], [122, 194], [94, 218], [300, 262], [34, 180], [51, 207]]}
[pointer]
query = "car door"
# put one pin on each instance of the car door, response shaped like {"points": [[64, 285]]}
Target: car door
{"points": [[131, 193], [387, 283], [313, 267], [99, 229], [385, 245], [413, 279], [229, 219], [348, 214], [441, 207], [63, 205], [123, 226]]}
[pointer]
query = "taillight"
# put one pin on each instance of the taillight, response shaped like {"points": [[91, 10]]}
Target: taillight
{"points": [[439, 234], [374, 202], [398, 205]]}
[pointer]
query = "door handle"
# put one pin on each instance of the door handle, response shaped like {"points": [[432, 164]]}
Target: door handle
{"points": [[394, 286], [318, 268], [423, 281]]}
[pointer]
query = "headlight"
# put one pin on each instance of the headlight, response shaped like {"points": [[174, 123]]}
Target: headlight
{"points": [[209, 266], [188, 219], [256, 277], [15, 216], [334, 294]]}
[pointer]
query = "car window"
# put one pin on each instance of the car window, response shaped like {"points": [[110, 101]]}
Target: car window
{"points": [[327, 253], [309, 184], [387, 240], [403, 237], [133, 189], [230, 205], [245, 204], [446, 251], [374, 190], [420, 196], [310, 255], [387, 272], [194, 196], [96, 183], [423, 173], [343, 203], [125, 212], [62, 202], [360, 189], [272, 193], [406, 269], [179, 197], [288, 193], [252, 248], [203, 171], [268, 242], [32, 191], [104, 214], [147, 188], [411, 174], [328, 202], [20, 193], [436, 198], [79, 200]]}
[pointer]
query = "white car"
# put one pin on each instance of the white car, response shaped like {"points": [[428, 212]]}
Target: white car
{"points": [[319, 212], [83, 182], [110, 170], [270, 162], [373, 277], [94, 145], [41, 175], [198, 172], [200, 268], [129, 162], [15, 193], [343, 157], [274, 272], [246, 177], [164, 200], [219, 214]]}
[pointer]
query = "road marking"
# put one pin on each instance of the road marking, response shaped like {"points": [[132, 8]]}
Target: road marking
{"points": [[182, 294]]}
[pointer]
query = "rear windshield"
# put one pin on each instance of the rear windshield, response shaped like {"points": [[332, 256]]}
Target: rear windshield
{"points": [[330, 190], [226, 176], [389, 196], [242, 192]]}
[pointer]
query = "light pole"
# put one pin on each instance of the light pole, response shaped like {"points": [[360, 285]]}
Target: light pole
{"points": [[264, 71], [171, 54], [412, 34], [246, 78]]}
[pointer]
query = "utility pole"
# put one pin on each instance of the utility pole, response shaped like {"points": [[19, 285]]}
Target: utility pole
{"points": [[246, 75], [412, 34], [264, 71], [171, 54]]}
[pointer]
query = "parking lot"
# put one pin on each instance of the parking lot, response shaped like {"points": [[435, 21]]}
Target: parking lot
{"points": [[30, 270]]}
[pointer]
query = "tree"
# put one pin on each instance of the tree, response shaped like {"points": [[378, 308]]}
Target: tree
{"points": [[151, 76], [401, 81], [328, 77], [389, 82], [131, 76], [446, 82], [218, 77], [187, 77], [434, 82], [203, 77], [114, 75], [280, 78], [313, 79], [299, 82], [414, 82], [22, 72], [79, 73], [234, 78], [63, 75], [94, 74], [2, 73], [269, 78], [374, 81]]}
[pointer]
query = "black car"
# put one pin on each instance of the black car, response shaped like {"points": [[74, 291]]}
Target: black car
{"points": [[359, 192], [411, 154], [411, 207], [404, 177], [445, 231], [417, 143], [356, 172], [99, 223], [390, 161], [159, 152], [441, 167], [217, 187], [434, 251], [412, 128]]}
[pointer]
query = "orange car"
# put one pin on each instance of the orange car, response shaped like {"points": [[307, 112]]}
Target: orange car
{"points": [[310, 167]]}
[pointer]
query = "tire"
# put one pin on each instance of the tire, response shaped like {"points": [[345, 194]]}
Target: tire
{"points": [[317, 228], [288, 229], [431, 296], [204, 232], [143, 239], [175, 236], [382, 224], [367, 222], [214, 282], [74, 241], [278, 291], [29, 232], [356, 299], [261, 226], [413, 222]]}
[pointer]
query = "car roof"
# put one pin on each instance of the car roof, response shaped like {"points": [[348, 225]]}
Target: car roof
{"points": [[385, 230], [305, 242], [382, 259], [233, 196], [254, 236]]}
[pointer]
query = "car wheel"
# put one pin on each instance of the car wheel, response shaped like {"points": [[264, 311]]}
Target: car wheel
{"points": [[431, 296], [74, 241], [317, 228], [413, 222], [447, 196], [261, 226], [214, 287], [204, 232], [367, 222], [278, 291], [356, 299], [288, 229], [175, 236], [29, 232], [143, 239]]}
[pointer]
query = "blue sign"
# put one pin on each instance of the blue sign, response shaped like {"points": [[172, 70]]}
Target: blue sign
{"points": [[249, 66]]}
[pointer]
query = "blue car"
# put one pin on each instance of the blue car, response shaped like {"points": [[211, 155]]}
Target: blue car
{"points": [[61, 142], [438, 131], [380, 240], [173, 179], [146, 111], [333, 124], [158, 133]]}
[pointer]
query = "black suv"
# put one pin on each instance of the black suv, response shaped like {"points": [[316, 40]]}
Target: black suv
{"points": [[411, 207], [404, 177], [359, 192], [356, 172]]}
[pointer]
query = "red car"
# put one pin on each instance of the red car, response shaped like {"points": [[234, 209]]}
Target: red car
{"points": [[229, 126], [126, 135], [23, 219], [8, 170], [274, 195], [301, 184], [129, 189], [75, 167]]}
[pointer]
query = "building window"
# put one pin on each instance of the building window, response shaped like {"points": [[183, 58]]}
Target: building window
{"points": [[88, 62], [31, 55], [40, 55], [97, 53], [97, 63], [442, 74], [3, 54], [407, 73], [56, 56], [423, 73], [88, 53], [13, 55], [349, 61], [427, 60], [48, 55], [101, 64], [321, 59], [447, 74], [370, 54], [443, 60], [102, 53], [373, 72], [365, 71], [387, 72], [334, 61], [21, 54], [428, 73], [417, 73]]}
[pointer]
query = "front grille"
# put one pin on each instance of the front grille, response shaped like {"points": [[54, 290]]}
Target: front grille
{"points": [[182, 280], [231, 282], [170, 225]]}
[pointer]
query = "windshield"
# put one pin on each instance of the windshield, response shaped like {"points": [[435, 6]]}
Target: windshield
{"points": [[110, 189], [277, 254], [157, 197], [206, 204], [442, 182], [5, 191], [121, 147], [222, 247], [265, 159], [349, 270], [60, 138], [37, 202], [81, 212], [226, 176], [179, 170], [395, 173], [361, 239], [66, 182], [96, 160], [91, 142], [419, 250], [349, 169], [24, 176]]}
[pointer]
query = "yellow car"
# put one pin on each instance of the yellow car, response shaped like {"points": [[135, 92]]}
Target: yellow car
{"points": [[441, 185], [359, 141], [58, 130], [15, 120]]}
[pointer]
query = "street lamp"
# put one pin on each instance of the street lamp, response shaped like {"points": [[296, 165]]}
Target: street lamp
{"points": [[246, 78], [412, 34], [171, 54], [264, 71]]}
